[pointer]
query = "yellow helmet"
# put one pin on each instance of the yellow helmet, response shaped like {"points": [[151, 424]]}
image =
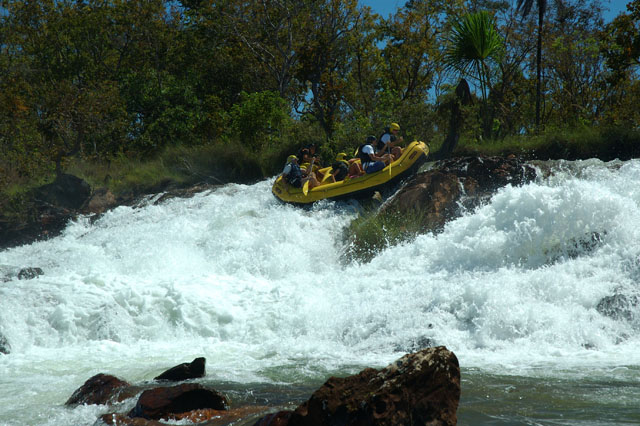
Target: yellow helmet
{"points": [[341, 156], [394, 126], [291, 158]]}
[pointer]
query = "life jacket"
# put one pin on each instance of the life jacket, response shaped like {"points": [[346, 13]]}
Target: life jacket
{"points": [[342, 166], [294, 175], [380, 145], [364, 158]]}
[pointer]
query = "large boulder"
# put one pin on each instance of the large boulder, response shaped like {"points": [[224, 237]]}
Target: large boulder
{"points": [[185, 371], [66, 191], [101, 389], [439, 193], [166, 402], [418, 389]]}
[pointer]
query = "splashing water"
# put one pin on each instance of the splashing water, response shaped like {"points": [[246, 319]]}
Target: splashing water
{"points": [[515, 288]]}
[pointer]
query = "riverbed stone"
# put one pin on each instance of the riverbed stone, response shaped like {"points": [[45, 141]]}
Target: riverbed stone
{"points": [[185, 371], [101, 389], [166, 402], [418, 389]]}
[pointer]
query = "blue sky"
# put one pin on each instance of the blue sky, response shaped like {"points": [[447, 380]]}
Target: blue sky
{"points": [[387, 7]]}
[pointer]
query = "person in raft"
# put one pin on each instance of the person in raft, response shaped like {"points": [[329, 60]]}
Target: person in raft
{"points": [[306, 155], [389, 140], [295, 176], [341, 168], [370, 161]]}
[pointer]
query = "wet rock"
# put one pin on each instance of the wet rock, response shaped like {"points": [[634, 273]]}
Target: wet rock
{"points": [[119, 419], [281, 418], [101, 200], [29, 273], [205, 417], [166, 402], [620, 306], [450, 186], [419, 388], [102, 389], [185, 371], [5, 347]]}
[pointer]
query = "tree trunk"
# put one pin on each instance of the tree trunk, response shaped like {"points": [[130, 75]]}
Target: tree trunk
{"points": [[539, 66], [463, 97]]}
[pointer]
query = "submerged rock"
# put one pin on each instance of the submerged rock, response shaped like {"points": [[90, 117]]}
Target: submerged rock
{"points": [[29, 273], [101, 389], [5, 347], [419, 388], [166, 402], [620, 306], [185, 371]]}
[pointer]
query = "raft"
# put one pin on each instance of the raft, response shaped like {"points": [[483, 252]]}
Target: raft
{"points": [[409, 162]]}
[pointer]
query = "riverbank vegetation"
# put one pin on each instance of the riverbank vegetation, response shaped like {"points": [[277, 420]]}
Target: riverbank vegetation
{"points": [[130, 94]]}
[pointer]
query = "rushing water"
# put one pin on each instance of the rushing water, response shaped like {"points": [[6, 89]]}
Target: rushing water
{"points": [[261, 290]]}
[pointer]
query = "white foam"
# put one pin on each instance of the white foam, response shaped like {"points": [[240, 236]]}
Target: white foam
{"points": [[259, 289]]}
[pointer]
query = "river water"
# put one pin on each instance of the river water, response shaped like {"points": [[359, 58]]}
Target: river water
{"points": [[262, 291]]}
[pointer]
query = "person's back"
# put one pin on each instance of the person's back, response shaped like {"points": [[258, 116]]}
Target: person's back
{"points": [[369, 160], [340, 167], [292, 173]]}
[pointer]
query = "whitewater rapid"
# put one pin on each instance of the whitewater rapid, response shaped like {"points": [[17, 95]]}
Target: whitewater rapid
{"points": [[262, 290]]}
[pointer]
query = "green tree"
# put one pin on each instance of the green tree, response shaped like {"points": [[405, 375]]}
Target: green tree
{"points": [[526, 6], [473, 43]]}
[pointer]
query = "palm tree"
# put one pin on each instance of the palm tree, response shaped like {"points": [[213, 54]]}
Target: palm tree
{"points": [[525, 7], [473, 42]]}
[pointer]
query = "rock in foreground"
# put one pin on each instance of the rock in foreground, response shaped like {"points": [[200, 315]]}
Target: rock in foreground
{"points": [[422, 388]]}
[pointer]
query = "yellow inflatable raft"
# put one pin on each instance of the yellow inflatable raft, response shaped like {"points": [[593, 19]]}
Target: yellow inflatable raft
{"points": [[363, 186]]}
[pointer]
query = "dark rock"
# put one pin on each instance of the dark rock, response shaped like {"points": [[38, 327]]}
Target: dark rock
{"points": [[165, 402], [450, 186], [101, 389], [207, 416], [620, 306], [281, 418], [184, 371], [418, 389], [29, 273], [118, 419], [5, 347], [66, 191]]}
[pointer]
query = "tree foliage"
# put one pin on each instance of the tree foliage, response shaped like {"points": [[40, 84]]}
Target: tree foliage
{"points": [[96, 80]]}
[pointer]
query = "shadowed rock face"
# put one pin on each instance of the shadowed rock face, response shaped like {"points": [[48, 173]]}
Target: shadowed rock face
{"points": [[185, 371], [440, 193], [419, 388]]}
